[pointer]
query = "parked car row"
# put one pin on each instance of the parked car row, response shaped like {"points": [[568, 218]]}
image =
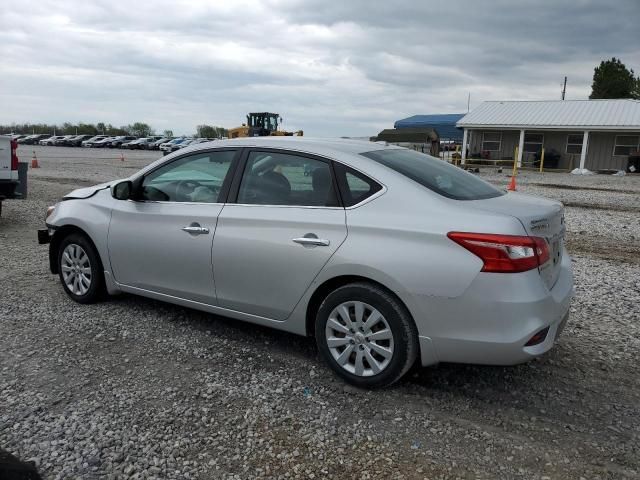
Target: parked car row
{"points": [[104, 141], [154, 142], [175, 144]]}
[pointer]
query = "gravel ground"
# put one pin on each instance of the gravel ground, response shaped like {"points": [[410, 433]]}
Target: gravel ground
{"points": [[133, 388]]}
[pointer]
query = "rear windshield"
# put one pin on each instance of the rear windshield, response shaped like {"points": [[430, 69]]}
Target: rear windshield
{"points": [[435, 174]]}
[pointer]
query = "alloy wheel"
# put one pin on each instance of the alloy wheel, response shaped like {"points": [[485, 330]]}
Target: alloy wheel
{"points": [[359, 338], [76, 269]]}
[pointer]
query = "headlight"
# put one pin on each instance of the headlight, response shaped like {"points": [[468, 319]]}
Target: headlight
{"points": [[50, 211]]}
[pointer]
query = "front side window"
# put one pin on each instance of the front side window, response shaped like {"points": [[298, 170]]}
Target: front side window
{"points": [[194, 178], [626, 144], [435, 174], [272, 178], [491, 141]]}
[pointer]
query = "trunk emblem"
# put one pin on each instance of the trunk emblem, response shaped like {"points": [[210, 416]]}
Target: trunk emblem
{"points": [[540, 224]]}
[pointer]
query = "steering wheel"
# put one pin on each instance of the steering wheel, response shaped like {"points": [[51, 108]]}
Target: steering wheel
{"points": [[185, 188]]}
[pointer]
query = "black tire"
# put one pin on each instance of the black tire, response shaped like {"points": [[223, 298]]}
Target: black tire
{"points": [[96, 288], [405, 334]]}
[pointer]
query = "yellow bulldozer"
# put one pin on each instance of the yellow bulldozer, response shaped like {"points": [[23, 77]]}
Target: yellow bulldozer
{"points": [[261, 124]]}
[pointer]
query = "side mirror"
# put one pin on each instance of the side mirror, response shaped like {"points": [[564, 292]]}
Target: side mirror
{"points": [[122, 190]]}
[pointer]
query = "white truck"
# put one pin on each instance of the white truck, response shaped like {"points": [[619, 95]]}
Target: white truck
{"points": [[9, 179]]}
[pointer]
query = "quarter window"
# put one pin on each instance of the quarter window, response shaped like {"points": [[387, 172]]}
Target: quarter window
{"points": [[272, 178], [574, 143], [355, 187], [626, 144], [533, 142], [195, 178], [491, 141]]}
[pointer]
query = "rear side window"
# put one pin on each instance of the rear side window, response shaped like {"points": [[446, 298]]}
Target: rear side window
{"points": [[274, 178], [435, 174], [354, 186]]}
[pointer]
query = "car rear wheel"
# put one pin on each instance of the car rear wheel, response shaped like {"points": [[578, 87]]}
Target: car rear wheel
{"points": [[366, 335], [80, 269]]}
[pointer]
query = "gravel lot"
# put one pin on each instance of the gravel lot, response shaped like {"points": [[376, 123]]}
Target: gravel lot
{"points": [[133, 388]]}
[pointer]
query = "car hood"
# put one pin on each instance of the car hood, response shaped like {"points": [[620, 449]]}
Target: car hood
{"points": [[87, 192]]}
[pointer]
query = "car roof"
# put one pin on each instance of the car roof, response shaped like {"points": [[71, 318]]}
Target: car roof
{"points": [[344, 150], [305, 144]]}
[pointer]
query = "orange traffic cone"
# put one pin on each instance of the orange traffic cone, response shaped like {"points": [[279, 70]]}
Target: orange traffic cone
{"points": [[34, 161], [121, 157], [512, 184]]}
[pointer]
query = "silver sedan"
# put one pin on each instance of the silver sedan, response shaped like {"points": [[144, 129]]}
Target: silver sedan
{"points": [[387, 256]]}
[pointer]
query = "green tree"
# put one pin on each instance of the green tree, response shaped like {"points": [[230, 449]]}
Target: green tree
{"points": [[209, 131], [168, 133], [140, 129], [67, 129], [87, 129], [111, 130], [612, 79]]}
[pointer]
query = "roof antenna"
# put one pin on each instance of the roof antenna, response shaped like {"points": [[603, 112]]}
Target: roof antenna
{"points": [[564, 88]]}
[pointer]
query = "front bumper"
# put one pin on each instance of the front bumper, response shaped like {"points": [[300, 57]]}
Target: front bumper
{"points": [[44, 236], [494, 319]]}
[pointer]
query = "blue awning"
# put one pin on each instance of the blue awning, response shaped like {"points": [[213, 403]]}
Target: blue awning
{"points": [[444, 124]]}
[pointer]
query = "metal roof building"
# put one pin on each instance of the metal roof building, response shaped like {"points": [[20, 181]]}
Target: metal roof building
{"points": [[444, 124], [599, 134]]}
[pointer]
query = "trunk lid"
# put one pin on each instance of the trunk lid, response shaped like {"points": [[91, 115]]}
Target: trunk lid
{"points": [[540, 217]]}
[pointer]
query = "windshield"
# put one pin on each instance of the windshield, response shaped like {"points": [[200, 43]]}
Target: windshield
{"points": [[435, 174]]}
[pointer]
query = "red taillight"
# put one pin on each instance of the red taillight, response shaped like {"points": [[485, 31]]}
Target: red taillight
{"points": [[537, 338], [504, 253], [14, 155]]}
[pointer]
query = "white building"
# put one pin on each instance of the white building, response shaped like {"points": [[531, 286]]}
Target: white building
{"points": [[592, 134]]}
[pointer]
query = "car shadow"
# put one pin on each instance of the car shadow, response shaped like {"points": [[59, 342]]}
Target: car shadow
{"points": [[550, 388], [444, 376], [209, 323]]}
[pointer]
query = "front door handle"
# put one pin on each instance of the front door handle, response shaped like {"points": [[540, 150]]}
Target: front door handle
{"points": [[314, 241], [195, 229]]}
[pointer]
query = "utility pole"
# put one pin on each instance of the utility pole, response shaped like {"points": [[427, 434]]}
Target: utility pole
{"points": [[564, 88], [468, 101]]}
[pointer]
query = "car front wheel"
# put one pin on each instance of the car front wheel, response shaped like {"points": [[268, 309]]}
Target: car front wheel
{"points": [[80, 269], [366, 335]]}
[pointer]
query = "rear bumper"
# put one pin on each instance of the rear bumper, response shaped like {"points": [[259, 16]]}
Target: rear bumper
{"points": [[494, 319]]}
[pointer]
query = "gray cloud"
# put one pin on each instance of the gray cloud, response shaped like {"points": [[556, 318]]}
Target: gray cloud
{"points": [[331, 68]]}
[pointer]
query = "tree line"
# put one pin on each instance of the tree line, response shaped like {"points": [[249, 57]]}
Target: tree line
{"points": [[138, 129]]}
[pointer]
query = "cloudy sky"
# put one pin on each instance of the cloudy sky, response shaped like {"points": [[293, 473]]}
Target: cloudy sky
{"points": [[330, 67]]}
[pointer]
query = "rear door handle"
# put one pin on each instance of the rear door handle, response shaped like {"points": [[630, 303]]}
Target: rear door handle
{"points": [[195, 229], [318, 242]]}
